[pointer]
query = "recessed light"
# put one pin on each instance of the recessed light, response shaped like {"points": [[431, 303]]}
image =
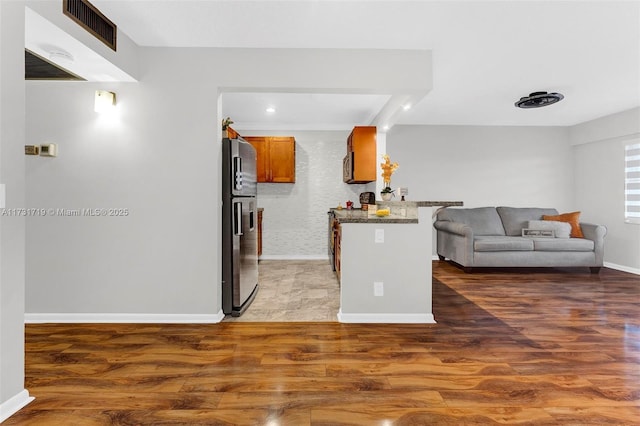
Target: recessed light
{"points": [[406, 107], [385, 127], [270, 110]]}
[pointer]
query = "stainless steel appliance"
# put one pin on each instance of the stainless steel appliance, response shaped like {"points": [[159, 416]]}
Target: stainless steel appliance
{"points": [[239, 226]]}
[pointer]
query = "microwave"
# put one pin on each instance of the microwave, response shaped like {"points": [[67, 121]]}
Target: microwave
{"points": [[347, 168]]}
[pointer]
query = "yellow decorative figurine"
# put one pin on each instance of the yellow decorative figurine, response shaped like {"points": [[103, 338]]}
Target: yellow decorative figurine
{"points": [[387, 170]]}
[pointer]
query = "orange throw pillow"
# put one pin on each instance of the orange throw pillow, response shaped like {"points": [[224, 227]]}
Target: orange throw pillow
{"points": [[571, 218]]}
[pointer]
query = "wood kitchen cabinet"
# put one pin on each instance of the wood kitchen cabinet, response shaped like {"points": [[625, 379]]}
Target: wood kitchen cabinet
{"points": [[232, 134], [338, 249], [360, 164], [276, 158], [335, 241]]}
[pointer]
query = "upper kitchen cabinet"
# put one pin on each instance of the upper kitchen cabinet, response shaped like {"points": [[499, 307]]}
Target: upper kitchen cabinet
{"points": [[359, 166], [232, 134], [276, 158]]}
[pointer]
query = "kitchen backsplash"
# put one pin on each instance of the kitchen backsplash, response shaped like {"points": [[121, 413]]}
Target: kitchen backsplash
{"points": [[295, 215]]}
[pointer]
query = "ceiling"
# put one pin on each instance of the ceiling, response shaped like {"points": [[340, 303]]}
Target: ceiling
{"points": [[486, 55]]}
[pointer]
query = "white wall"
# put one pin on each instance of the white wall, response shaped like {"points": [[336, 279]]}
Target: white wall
{"points": [[598, 158], [484, 165], [154, 259], [295, 215], [12, 228], [615, 126], [161, 160]]}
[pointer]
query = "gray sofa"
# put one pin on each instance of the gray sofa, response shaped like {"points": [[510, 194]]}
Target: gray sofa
{"points": [[492, 237]]}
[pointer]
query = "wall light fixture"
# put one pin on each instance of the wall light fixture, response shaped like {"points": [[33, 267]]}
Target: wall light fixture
{"points": [[104, 101]]}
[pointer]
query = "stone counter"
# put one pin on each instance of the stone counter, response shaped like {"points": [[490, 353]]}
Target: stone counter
{"points": [[363, 216], [400, 212], [421, 203]]}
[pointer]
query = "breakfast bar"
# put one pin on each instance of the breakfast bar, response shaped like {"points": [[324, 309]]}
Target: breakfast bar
{"points": [[384, 262]]}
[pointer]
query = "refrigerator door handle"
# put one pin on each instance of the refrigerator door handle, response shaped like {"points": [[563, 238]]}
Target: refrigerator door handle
{"points": [[237, 223], [237, 173], [252, 222]]}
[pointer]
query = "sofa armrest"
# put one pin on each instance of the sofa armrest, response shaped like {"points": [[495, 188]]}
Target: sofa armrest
{"points": [[595, 233], [454, 228], [592, 231], [455, 241]]}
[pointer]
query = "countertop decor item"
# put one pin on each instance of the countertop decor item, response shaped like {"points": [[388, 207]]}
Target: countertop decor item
{"points": [[226, 122], [386, 193], [387, 170]]}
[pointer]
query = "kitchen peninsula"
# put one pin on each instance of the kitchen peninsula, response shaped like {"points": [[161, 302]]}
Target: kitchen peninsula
{"points": [[384, 263]]}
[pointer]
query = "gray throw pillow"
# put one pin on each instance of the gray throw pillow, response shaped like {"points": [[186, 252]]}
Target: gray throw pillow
{"points": [[560, 229]]}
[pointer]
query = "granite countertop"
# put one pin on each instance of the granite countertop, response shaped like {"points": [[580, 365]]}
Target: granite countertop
{"points": [[401, 212], [362, 216], [421, 203]]}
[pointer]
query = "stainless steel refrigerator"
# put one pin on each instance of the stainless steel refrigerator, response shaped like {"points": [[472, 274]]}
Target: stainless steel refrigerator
{"points": [[239, 226]]}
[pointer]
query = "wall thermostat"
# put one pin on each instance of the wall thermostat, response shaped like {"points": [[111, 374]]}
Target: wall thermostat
{"points": [[32, 149]]}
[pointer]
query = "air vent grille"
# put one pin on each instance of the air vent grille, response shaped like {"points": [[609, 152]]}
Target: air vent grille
{"points": [[89, 17], [38, 68]]}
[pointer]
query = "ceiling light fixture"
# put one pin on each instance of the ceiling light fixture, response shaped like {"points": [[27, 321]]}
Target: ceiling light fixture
{"points": [[270, 110], [539, 99], [406, 107], [60, 55]]}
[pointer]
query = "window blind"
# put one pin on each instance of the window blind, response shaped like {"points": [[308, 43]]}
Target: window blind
{"points": [[632, 183]]}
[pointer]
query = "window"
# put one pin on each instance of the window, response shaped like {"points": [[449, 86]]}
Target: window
{"points": [[632, 183]]}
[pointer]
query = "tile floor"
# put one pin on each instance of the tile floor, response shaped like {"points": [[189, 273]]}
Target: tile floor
{"points": [[294, 290]]}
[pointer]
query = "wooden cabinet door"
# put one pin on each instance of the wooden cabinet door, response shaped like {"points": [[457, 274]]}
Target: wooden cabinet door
{"points": [[282, 153], [338, 250], [232, 134], [276, 158], [262, 156], [363, 144]]}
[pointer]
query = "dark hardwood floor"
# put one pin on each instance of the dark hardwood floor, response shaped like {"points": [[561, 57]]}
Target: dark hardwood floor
{"points": [[526, 347]]}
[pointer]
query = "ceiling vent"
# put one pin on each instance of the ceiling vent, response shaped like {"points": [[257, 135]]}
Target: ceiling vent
{"points": [[39, 68], [539, 99], [89, 17]]}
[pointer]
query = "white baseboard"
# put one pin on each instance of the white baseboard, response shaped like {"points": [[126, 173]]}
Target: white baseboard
{"points": [[124, 318], [294, 257], [386, 318], [606, 264], [14, 404], [622, 268]]}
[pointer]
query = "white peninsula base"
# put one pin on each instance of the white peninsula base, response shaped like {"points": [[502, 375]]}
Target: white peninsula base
{"points": [[387, 281]]}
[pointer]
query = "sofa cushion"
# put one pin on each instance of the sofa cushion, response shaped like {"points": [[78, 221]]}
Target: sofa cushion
{"points": [[562, 244], [560, 229], [571, 218], [516, 218], [483, 220], [497, 243]]}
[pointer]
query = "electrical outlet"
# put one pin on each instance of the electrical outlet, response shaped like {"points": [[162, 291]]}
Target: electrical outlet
{"points": [[378, 288], [379, 236]]}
